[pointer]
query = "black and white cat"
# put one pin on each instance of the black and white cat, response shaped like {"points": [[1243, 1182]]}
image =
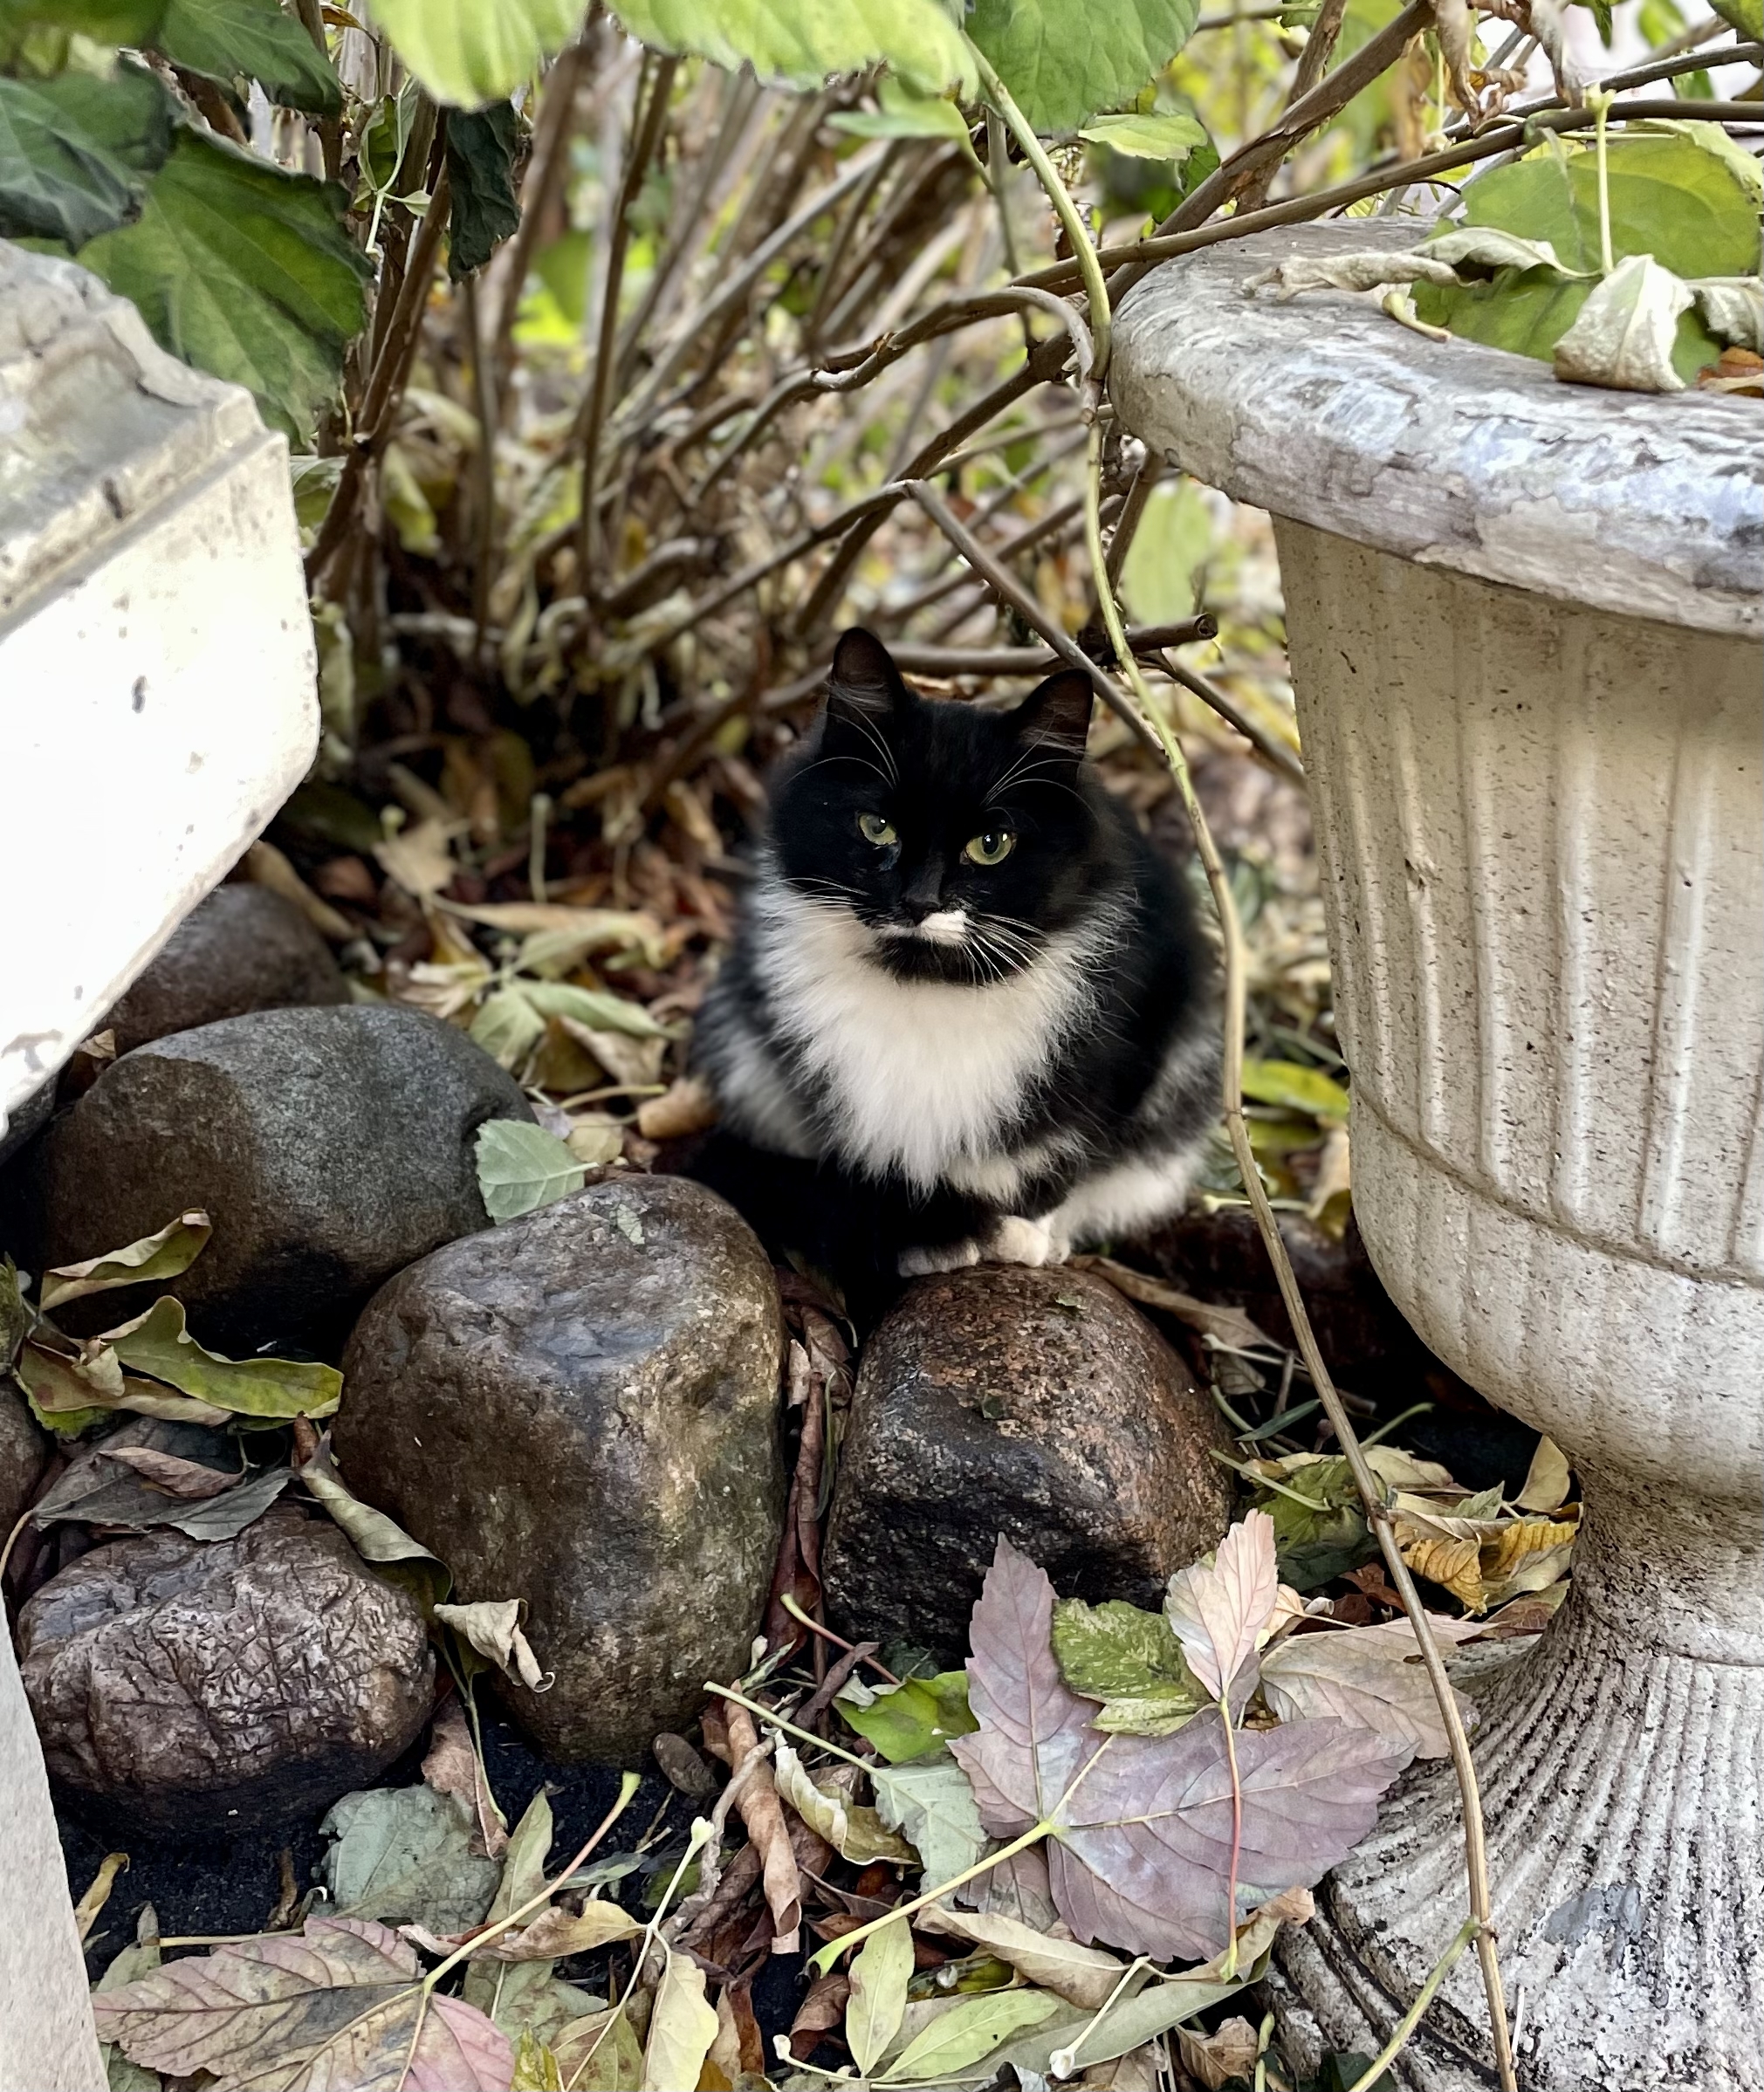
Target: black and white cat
{"points": [[966, 998]]}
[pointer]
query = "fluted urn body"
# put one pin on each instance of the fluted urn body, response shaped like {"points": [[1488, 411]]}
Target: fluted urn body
{"points": [[1525, 625]]}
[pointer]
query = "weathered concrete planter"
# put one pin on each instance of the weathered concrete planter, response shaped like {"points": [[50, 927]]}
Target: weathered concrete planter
{"points": [[156, 706], [1525, 619]]}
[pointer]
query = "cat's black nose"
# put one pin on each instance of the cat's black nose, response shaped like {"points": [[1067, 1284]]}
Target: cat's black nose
{"points": [[922, 898]]}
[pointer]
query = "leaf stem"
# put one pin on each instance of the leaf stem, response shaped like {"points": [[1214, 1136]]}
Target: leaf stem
{"points": [[1064, 2061], [627, 1787], [1412, 2019], [1599, 103], [1229, 1971], [824, 1956], [1076, 231]]}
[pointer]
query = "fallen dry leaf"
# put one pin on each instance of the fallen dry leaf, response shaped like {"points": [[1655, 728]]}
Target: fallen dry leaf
{"points": [[1218, 1612], [1230, 2051], [759, 1809], [338, 2004], [1140, 1848], [686, 1107], [189, 1480], [451, 1767], [492, 1627]]}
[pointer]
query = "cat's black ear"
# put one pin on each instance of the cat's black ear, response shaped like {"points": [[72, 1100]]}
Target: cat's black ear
{"points": [[1056, 714], [863, 683]]}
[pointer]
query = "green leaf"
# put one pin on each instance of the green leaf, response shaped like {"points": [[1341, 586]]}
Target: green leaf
{"points": [[244, 270], [907, 1720], [1131, 1661], [158, 1344], [253, 39], [172, 1250], [480, 166], [1323, 1537], [879, 1978], [130, 22], [1161, 577], [806, 41], [903, 113], [467, 52], [1170, 134], [404, 1855], [594, 1007], [1747, 15], [74, 151], [1675, 194], [380, 1542], [521, 1167], [1064, 61], [506, 1026], [932, 1807], [1294, 1087], [968, 2031]]}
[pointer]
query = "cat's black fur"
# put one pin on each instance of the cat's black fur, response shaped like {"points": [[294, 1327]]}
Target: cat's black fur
{"points": [[919, 1057]]}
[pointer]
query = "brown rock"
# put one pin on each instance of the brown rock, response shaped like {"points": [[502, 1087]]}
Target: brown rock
{"points": [[180, 1687], [1035, 1404], [579, 1408], [25, 1452], [241, 947], [331, 1146]]}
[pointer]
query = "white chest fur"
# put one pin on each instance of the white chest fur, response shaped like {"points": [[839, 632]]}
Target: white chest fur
{"points": [[913, 1075]]}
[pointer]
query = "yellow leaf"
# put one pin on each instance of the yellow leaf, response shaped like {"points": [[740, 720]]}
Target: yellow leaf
{"points": [[1503, 1554], [1547, 1480], [1455, 1564]]}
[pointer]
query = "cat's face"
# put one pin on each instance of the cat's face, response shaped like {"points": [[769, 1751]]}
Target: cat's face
{"points": [[961, 838]]}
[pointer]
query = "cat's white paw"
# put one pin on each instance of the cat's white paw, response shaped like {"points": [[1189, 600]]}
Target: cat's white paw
{"points": [[1014, 1240], [946, 1257]]}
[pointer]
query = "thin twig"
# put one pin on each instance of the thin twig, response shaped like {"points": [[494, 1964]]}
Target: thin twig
{"points": [[386, 383], [646, 133], [1372, 1493], [1468, 1931], [546, 169]]}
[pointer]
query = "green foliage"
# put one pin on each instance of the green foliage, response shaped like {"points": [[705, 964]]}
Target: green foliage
{"points": [[1319, 1530], [1161, 575], [1675, 193], [1131, 1661], [1746, 16], [229, 39], [245, 271], [521, 1167], [1167, 134], [158, 1344], [804, 42], [73, 152], [1294, 1087], [1064, 64], [130, 22], [480, 167], [903, 113], [905, 1721], [466, 52]]}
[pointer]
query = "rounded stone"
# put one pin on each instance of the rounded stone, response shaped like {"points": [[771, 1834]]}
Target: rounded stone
{"points": [[331, 1147], [1035, 1404], [180, 1686], [580, 1408], [24, 1452], [241, 947]]}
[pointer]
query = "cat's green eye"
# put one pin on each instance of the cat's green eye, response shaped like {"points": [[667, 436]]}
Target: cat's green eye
{"points": [[874, 828], [994, 846]]}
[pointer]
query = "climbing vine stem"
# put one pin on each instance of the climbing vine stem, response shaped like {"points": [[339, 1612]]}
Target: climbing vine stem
{"points": [[1479, 1924]]}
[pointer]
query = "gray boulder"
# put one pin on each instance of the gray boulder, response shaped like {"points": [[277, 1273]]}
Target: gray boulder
{"points": [[181, 1688], [241, 947], [1035, 1404], [580, 1409], [24, 1452], [331, 1146]]}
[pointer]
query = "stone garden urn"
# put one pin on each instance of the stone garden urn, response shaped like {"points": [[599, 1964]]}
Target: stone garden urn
{"points": [[1525, 623]]}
